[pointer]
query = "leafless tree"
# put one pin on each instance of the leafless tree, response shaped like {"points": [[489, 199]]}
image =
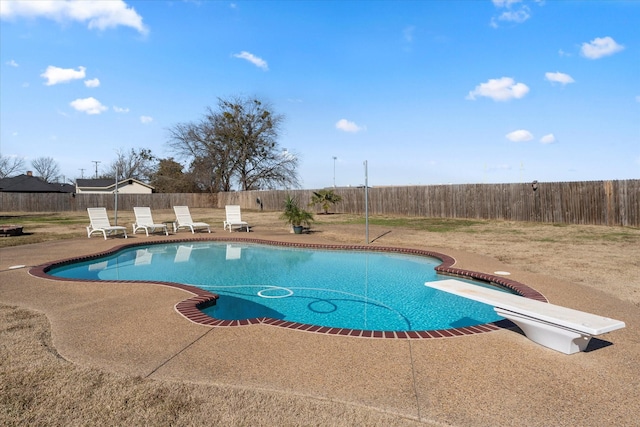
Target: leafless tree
{"points": [[47, 168], [236, 146], [139, 164], [10, 165]]}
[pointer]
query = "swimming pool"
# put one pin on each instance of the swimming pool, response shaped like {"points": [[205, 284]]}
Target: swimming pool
{"points": [[354, 289]]}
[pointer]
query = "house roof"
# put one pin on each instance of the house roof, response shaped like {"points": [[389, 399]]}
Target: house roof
{"points": [[95, 183], [106, 184], [32, 184]]}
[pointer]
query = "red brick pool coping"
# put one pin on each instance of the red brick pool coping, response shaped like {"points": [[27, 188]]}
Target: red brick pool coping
{"points": [[191, 308]]}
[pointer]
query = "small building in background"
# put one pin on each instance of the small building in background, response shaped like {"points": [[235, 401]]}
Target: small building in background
{"points": [[108, 186]]}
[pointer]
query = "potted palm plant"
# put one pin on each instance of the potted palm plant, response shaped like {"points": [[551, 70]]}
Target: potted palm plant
{"points": [[296, 216]]}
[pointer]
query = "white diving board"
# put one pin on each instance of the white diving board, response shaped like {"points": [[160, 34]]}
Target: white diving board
{"points": [[559, 328]]}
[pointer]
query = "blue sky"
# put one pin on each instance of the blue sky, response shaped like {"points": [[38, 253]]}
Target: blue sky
{"points": [[427, 92]]}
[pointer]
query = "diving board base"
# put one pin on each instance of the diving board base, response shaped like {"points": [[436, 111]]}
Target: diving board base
{"points": [[566, 341], [559, 328]]}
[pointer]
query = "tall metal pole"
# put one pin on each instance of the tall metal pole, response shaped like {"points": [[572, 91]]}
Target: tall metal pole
{"points": [[116, 195], [334, 171], [366, 201]]}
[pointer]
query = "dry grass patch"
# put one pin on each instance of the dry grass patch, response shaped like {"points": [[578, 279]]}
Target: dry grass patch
{"points": [[38, 387]]}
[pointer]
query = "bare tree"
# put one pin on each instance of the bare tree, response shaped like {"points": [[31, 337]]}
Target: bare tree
{"points": [[207, 156], [138, 164], [236, 146], [47, 168], [10, 165]]}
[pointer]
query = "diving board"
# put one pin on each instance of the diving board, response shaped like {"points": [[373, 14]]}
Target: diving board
{"points": [[559, 328]]}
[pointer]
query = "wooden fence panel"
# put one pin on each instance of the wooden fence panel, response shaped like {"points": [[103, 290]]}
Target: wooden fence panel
{"points": [[587, 202], [60, 202]]}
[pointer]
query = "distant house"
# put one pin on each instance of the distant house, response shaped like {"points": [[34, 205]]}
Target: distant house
{"points": [[107, 186], [27, 183]]}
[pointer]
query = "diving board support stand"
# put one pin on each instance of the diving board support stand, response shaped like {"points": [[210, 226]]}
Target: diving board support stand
{"points": [[559, 328]]}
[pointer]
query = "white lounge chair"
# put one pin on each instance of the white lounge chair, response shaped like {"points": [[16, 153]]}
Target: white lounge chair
{"points": [[144, 221], [183, 220], [234, 218], [559, 328], [100, 223]]}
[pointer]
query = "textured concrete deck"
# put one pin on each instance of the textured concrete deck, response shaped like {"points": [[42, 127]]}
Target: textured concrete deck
{"points": [[495, 378]]}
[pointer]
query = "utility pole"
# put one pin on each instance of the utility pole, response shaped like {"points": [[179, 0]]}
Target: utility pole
{"points": [[96, 162], [81, 173]]}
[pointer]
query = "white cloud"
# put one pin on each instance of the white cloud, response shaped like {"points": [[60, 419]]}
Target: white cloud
{"points": [[97, 14], [517, 16], [515, 11], [599, 47], [502, 89], [88, 105], [258, 62], [519, 136], [504, 3], [408, 33], [558, 77], [12, 63], [145, 119], [120, 109], [548, 139], [92, 83], [347, 126], [55, 75]]}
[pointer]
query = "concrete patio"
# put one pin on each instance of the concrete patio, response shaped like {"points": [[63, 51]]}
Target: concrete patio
{"points": [[495, 378]]}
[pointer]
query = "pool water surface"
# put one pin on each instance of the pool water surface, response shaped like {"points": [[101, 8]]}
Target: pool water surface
{"points": [[363, 290]]}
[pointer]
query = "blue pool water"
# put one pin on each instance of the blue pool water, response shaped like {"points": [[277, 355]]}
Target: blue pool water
{"points": [[335, 288]]}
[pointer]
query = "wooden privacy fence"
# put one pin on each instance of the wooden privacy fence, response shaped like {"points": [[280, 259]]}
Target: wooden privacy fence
{"points": [[586, 202], [60, 202]]}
